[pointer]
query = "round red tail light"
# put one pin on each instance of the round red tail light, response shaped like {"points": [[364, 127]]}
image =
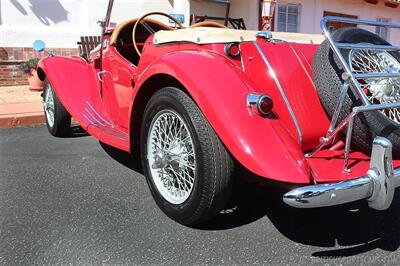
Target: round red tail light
{"points": [[232, 50], [265, 105], [260, 104]]}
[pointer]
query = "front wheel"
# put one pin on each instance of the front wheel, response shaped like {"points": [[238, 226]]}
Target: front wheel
{"points": [[187, 167], [58, 120]]}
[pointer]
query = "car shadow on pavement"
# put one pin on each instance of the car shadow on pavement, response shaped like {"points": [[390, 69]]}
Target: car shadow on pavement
{"points": [[350, 229], [124, 158], [76, 132]]}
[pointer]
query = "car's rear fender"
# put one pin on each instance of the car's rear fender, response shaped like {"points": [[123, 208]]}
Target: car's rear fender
{"points": [[262, 145]]}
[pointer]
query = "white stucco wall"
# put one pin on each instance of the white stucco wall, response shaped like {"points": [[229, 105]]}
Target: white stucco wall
{"points": [[61, 22], [246, 9], [312, 12]]}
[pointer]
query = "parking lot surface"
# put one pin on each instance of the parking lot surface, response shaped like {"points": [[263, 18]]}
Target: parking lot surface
{"points": [[76, 201]]}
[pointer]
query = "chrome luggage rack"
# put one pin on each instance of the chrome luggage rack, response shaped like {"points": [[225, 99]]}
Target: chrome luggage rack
{"points": [[351, 80]]}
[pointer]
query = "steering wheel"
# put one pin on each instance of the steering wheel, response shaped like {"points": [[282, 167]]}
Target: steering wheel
{"points": [[142, 21]]}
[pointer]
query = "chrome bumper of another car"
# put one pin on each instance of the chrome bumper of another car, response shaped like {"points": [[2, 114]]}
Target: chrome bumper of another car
{"points": [[377, 186]]}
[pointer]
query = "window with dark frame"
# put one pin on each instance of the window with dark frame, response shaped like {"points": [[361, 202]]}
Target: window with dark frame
{"points": [[288, 17]]}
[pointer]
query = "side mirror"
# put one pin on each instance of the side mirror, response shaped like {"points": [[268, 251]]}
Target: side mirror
{"points": [[39, 46]]}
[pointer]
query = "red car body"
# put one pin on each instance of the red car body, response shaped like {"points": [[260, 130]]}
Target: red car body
{"points": [[268, 147], [109, 101]]}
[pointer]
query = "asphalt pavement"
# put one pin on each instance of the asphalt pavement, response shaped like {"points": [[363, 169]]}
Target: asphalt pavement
{"points": [[76, 201]]}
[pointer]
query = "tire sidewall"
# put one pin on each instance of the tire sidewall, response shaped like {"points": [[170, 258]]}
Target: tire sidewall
{"points": [[187, 209]]}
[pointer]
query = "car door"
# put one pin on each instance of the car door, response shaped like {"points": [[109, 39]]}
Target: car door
{"points": [[117, 87]]}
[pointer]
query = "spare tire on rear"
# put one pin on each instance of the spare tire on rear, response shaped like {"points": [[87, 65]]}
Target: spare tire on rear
{"points": [[327, 73]]}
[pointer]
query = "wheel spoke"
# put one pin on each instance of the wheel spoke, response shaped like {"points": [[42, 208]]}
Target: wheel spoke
{"points": [[181, 180]]}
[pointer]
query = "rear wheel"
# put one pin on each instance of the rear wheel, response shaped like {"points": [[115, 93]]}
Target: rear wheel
{"points": [[187, 167], [58, 120], [328, 80]]}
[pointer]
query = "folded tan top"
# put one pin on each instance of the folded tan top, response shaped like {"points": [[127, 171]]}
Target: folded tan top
{"points": [[205, 35]]}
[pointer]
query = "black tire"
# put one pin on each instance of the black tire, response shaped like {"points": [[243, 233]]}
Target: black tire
{"points": [[328, 81], [214, 165], [61, 127]]}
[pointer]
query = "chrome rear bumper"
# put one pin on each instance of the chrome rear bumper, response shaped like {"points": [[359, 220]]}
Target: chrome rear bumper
{"points": [[377, 186]]}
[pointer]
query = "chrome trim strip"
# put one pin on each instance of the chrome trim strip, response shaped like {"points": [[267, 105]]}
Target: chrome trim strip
{"points": [[88, 119], [108, 130], [241, 59], [94, 118], [94, 110], [376, 75], [116, 133], [373, 107], [105, 127], [367, 46], [282, 92], [301, 62], [377, 186]]}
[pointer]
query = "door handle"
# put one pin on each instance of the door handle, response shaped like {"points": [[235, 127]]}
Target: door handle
{"points": [[101, 73]]}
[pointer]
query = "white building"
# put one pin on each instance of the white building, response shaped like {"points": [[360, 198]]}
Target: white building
{"points": [[306, 14], [60, 23]]}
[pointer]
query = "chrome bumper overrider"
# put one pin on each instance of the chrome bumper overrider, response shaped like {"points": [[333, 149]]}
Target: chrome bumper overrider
{"points": [[377, 186]]}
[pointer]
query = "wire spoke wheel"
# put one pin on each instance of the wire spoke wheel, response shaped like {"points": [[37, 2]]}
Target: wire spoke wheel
{"points": [[58, 120], [187, 168], [171, 156], [48, 105], [378, 90]]}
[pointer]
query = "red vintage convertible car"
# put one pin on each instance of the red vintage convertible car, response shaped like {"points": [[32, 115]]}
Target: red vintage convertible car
{"points": [[321, 113]]}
